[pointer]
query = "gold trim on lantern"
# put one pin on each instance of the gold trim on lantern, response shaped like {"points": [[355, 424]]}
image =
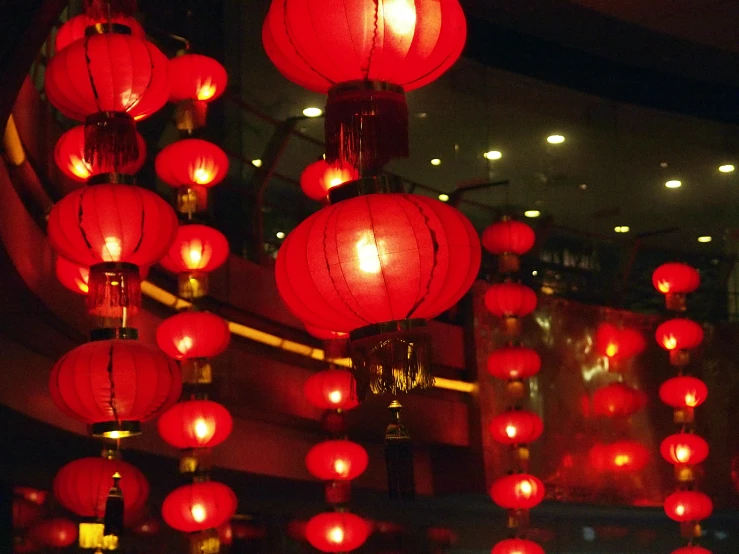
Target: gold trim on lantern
{"points": [[91, 537], [115, 429], [192, 199], [205, 542]]}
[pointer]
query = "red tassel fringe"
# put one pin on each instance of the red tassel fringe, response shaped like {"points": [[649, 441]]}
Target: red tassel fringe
{"points": [[110, 140]]}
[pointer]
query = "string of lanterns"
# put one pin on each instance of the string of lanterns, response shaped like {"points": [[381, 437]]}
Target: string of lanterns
{"points": [[683, 393], [515, 427]]}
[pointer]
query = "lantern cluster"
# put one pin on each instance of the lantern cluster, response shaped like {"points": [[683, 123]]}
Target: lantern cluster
{"points": [[683, 393], [33, 527], [516, 427]]}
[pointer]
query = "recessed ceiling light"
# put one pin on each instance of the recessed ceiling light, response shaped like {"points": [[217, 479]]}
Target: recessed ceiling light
{"points": [[555, 139], [534, 273], [256, 163], [726, 168], [532, 213], [436, 161], [663, 164], [705, 238], [422, 115], [673, 184], [622, 229], [444, 197], [583, 186], [312, 112], [280, 235], [493, 155]]}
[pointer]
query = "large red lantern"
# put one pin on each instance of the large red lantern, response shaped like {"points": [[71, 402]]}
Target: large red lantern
{"points": [[337, 531], [678, 336], [82, 486], [336, 460], [519, 491], [331, 389], [688, 506], [113, 385], [684, 449], [365, 54], [55, 533], [114, 229], [508, 239], [683, 393], [618, 343], [514, 427], [517, 546], [195, 424], [675, 280], [379, 265], [192, 162], [619, 457], [199, 506], [196, 251], [320, 177], [74, 29], [618, 400]]}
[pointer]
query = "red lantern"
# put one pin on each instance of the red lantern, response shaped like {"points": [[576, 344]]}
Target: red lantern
{"points": [[82, 486], [74, 29], [192, 162], [196, 77], [687, 506], [199, 506], [29, 493], [618, 400], [336, 531], [519, 491], [320, 177], [516, 427], [336, 460], [517, 546], [380, 265], [683, 393], [510, 301], [331, 389], [514, 363], [189, 335], [195, 424], [75, 277], [69, 155], [508, 239], [24, 545], [25, 513], [677, 336], [196, 251], [674, 280], [684, 448], [692, 549], [113, 385], [365, 55], [442, 536], [55, 533], [618, 343], [619, 457]]}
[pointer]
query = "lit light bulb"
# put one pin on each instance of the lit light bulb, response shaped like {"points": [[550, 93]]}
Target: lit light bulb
{"points": [[312, 112], [690, 399], [206, 90], [196, 256], [280, 235], [444, 197], [510, 430], [532, 213], [369, 258], [202, 176], [198, 512], [400, 16], [334, 396], [669, 342], [78, 167], [673, 184], [113, 248], [682, 453], [726, 168], [341, 467], [680, 509], [525, 488], [184, 345], [493, 155], [555, 139], [611, 350], [336, 535], [663, 286], [622, 460], [201, 428]]}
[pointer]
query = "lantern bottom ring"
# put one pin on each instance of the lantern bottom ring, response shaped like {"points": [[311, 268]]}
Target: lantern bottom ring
{"points": [[115, 429]]}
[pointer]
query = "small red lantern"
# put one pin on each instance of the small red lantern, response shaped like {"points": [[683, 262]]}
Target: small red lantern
{"points": [[336, 460], [196, 80], [36, 496], [113, 385], [514, 427], [195, 424], [196, 251], [519, 491], [675, 280], [74, 29], [619, 457], [82, 486], [692, 549], [55, 533], [69, 155], [618, 400], [25, 513], [517, 546], [683, 393], [618, 343], [320, 177], [337, 531], [677, 336], [508, 239], [688, 506], [199, 506], [331, 389], [513, 364], [684, 450], [510, 301]]}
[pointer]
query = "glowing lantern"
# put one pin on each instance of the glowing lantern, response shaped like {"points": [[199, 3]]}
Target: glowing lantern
{"points": [[688, 506], [510, 301], [517, 546], [196, 251], [618, 343], [514, 364], [196, 80], [515, 427], [336, 460], [331, 389], [320, 177], [55, 533], [678, 336], [443, 537], [519, 491], [36, 496], [508, 239], [619, 457], [684, 450], [618, 400], [683, 393], [379, 265], [365, 54], [74, 29], [113, 385], [195, 424], [337, 531], [675, 280], [199, 506]]}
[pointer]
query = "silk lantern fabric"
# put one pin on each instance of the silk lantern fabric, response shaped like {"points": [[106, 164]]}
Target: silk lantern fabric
{"points": [[195, 424], [199, 506], [189, 335]]}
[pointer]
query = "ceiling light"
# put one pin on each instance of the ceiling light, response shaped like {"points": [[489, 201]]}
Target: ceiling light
{"points": [[532, 213], [280, 235], [705, 238], [622, 229], [583, 186], [312, 112], [726, 168], [256, 163], [663, 164], [534, 273], [436, 161], [422, 115], [444, 197], [493, 155], [555, 139], [673, 184]]}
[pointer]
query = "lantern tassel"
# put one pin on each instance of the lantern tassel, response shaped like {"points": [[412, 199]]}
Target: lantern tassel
{"points": [[113, 521], [110, 140], [399, 458], [366, 125]]}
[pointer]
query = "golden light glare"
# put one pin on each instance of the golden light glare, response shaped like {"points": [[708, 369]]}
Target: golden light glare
{"points": [[336, 535], [525, 488], [334, 396], [113, 248], [206, 90], [669, 342], [184, 344], [726, 168], [202, 176], [690, 399], [532, 213], [621, 460], [198, 512], [435, 161], [256, 163], [78, 167], [201, 428], [555, 139], [400, 16], [673, 184], [705, 239], [341, 467], [493, 155], [196, 255], [622, 229], [680, 509], [312, 112], [369, 257], [663, 286], [682, 453], [444, 197], [611, 349], [510, 430], [280, 235]]}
